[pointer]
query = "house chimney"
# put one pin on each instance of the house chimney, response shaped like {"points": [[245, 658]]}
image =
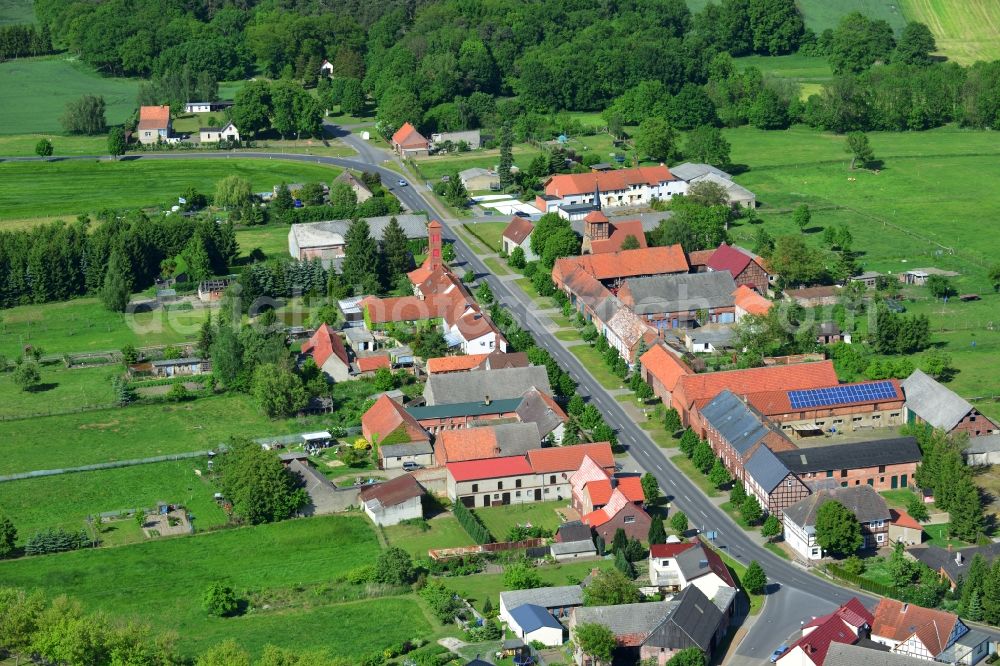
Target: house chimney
{"points": [[614, 482], [487, 400], [959, 560], [903, 609]]}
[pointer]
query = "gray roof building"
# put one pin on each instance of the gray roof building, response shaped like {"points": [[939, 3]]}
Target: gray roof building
{"points": [[851, 456], [331, 233], [954, 563], [932, 402], [866, 505], [983, 444], [457, 387], [541, 410], [692, 622], [681, 293], [573, 530], [690, 170], [737, 422], [565, 548], [403, 450], [765, 468], [564, 596], [635, 620]]}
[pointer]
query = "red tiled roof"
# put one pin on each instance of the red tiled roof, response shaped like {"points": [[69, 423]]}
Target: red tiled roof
{"points": [[903, 519], [421, 273], [616, 504], [153, 117], [569, 458], [323, 344], [664, 366], [568, 184], [600, 491], [725, 258], [817, 643], [385, 417], [772, 403], [706, 386], [518, 229], [700, 257], [595, 216], [750, 301], [627, 263], [666, 550], [899, 621], [403, 308], [407, 136], [454, 363], [393, 492], [373, 363], [492, 468], [717, 566], [622, 231], [467, 444]]}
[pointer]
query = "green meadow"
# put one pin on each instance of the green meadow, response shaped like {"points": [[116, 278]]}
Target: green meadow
{"points": [[61, 389], [162, 582], [45, 189]]}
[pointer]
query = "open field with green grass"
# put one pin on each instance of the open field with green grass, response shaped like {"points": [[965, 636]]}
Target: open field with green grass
{"points": [[926, 197], [433, 167], [61, 389], [17, 11], [271, 239], [162, 582], [488, 232], [499, 520], [937, 535], [822, 14], [72, 188], [139, 431], [594, 362], [34, 93], [444, 532], [478, 587], [85, 325], [66, 500], [24, 144], [810, 72], [964, 31]]}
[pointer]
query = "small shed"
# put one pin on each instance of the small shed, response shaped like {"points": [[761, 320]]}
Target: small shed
{"points": [[534, 623], [394, 501], [314, 441], [177, 367]]}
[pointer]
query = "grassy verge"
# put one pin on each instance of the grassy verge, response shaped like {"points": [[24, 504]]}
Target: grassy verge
{"points": [[488, 233], [738, 570], [497, 266], [540, 301], [568, 336], [594, 363], [682, 463], [777, 550], [444, 532], [735, 515]]}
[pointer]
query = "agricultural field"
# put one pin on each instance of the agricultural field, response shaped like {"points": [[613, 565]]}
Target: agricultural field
{"points": [[34, 93], [61, 388], [16, 145], [66, 500], [810, 72], [139, 431], [433, 167], [965, 31], [16, 11], [85, 325], [822, 14], [162, 582], [75, 187]]}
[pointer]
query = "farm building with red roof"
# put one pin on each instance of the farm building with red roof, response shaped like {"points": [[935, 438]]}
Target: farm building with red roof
{"points": [[328, 351], [565, 193], [408, 142]]}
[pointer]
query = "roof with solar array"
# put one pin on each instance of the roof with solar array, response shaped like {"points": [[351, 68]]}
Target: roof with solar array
{"points": [[842, 395]]}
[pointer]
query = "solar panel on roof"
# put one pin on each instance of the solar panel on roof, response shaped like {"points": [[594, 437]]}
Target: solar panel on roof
{"points": [[841, 395]]}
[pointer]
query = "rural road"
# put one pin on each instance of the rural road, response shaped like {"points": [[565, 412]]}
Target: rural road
{"points": [[795, 593]]}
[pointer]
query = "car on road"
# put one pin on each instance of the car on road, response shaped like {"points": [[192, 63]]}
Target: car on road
{"points": [[777, 654], [402, 183]]}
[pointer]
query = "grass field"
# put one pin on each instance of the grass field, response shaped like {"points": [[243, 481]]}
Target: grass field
{"points": [[162, 582], [60, 388], [66, 500], [71, 188], [444, 532], [478, 587], [822, 14], [271, 239], [84, 325], [432, 168], [500, 519], [488, 232], [810, 72], [16, 11], [24, 144], [142, 431], [964, 31], [34, 93]]}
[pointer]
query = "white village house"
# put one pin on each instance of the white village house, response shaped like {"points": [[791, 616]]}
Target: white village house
{"points": [[394, 501], [216, 134]]}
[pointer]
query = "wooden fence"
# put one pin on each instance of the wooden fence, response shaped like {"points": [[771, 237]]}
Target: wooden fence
{"points": [[448, 553]]}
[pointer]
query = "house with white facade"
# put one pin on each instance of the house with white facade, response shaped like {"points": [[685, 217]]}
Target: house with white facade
{"points": [[517, 234], [394, 501], [558, 601], [532, 623], [573, 195], [927, 633], [870, 509], [674, 566], [216, 134]]}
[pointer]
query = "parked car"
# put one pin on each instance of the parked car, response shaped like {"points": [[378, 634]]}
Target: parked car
{"points": [[777, 654], [402, 183], [409, 466]]}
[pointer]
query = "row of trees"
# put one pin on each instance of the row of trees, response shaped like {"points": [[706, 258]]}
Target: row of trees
{"points": [[57, 261], [943, 470], [284, 106], [19, 41]]}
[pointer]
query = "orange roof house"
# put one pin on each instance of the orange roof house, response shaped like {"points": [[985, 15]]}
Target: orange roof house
{"points": [[154, 124], [662, 370], [592, 487], [569, 458], [408, 141], [516, 234], [386, 422], [498, 441], [612, 267], [569, 184], [369, 364], [749, 301], [328, 351], [454, 363], [622, 230], [911, 629]]}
